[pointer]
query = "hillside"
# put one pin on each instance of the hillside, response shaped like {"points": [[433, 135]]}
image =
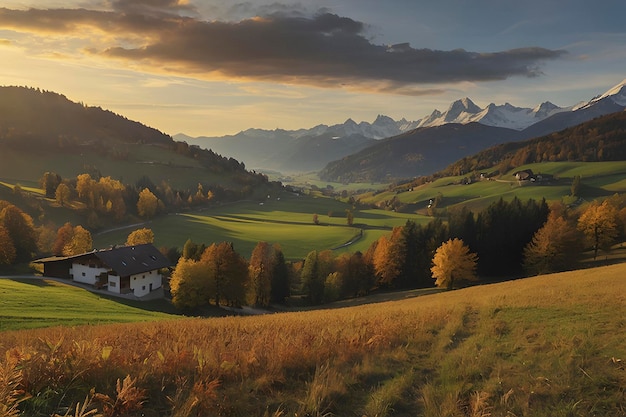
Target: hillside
{"points": [[383, 161], [601, 139], [44, 131], [524, 347], [416, 153]]}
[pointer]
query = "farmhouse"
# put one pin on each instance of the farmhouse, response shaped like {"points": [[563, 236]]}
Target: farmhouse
{"points": [[121, 270]]}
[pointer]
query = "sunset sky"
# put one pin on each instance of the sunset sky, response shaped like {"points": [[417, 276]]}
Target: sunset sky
{"points": [[217, 67]]}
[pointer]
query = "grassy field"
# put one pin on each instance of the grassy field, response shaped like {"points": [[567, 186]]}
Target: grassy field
{"points": [[33, 303], [288, 221], [598, 179], [550, 345]]}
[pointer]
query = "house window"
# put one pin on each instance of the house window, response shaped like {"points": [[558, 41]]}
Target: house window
{"points": [[84, 274], [134, 278], [143, 287], [143, 276]]}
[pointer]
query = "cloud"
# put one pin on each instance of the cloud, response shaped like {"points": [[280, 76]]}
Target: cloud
{"points": [[327, 50]]}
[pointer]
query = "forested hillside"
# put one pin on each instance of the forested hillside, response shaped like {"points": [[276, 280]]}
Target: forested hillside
{"points": [[416, 153], [31, 116], [601, 139], [71, 138]]}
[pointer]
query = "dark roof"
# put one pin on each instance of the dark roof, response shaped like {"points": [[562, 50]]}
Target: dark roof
{"points": [[131, 260], [125, 260]]}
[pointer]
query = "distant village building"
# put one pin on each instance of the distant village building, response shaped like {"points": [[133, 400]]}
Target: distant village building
{"points": [[528, 175], [121, 270], [525, 175]]}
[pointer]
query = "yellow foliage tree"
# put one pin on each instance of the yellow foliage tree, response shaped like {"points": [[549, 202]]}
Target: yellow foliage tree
{"points": [[554, 247], [62, 194], [189, 285], [147, 204], [80, 242], [140, 237], [453, 262], [599, 224], [260, 274]]}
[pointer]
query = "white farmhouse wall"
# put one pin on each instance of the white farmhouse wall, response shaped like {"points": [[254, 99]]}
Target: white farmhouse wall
{"points": [[114, 284], [85, 273], [140, 283]]}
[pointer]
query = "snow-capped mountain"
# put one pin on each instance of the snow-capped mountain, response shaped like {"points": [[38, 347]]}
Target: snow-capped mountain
{"points": [[312, 148], [616, 95], [465, 111]]}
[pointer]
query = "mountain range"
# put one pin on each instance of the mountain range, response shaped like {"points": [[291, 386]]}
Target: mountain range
{"points": [[312, 149]]}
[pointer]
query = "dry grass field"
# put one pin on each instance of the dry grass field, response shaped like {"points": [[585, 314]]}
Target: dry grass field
{"points": [[553, 345]]}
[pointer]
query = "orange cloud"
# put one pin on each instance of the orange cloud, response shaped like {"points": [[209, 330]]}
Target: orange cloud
{"points": [[164, 36]]}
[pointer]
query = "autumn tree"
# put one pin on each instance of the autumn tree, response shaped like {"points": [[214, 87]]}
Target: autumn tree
{"points": [[227, 272], [453, 262], [21, 230], [260, 269], [555, 245], [81, 242], [7, 249], [72, 240], [190, 286], [85, 186], [387, 259], [598, 223], [62, 194], [140, 237], [147, 204], [63, 238]]}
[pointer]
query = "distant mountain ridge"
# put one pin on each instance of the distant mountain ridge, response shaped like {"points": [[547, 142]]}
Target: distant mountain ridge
{"points": [[311, 149], [373, 164]]}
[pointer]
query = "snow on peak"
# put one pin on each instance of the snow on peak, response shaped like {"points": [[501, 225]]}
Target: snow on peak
{"points": [[617, 94]]}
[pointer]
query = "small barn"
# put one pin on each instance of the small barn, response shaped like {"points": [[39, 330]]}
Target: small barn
{"points": [[121, 270]]}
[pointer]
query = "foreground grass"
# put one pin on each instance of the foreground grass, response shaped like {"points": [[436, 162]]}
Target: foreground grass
{"points": [[33, 303], [551, 345]]}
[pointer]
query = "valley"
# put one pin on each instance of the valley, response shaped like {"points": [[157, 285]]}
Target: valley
{"points": [[358, 324]]}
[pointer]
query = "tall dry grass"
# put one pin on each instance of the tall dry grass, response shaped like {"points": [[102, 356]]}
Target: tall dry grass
{"points": [[551, 345]]}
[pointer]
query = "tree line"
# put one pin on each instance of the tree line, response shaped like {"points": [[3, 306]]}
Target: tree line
{"points": [[507, 240]]}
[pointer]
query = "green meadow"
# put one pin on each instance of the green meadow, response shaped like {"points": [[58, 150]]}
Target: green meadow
{"points": [[34, 303], [598, 179], [287, 221]]}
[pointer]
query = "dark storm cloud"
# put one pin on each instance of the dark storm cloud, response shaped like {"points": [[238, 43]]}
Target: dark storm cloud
{"points": [[324, 50]]}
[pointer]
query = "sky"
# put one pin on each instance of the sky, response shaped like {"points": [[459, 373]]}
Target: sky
{"points": [[215, 68]]}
